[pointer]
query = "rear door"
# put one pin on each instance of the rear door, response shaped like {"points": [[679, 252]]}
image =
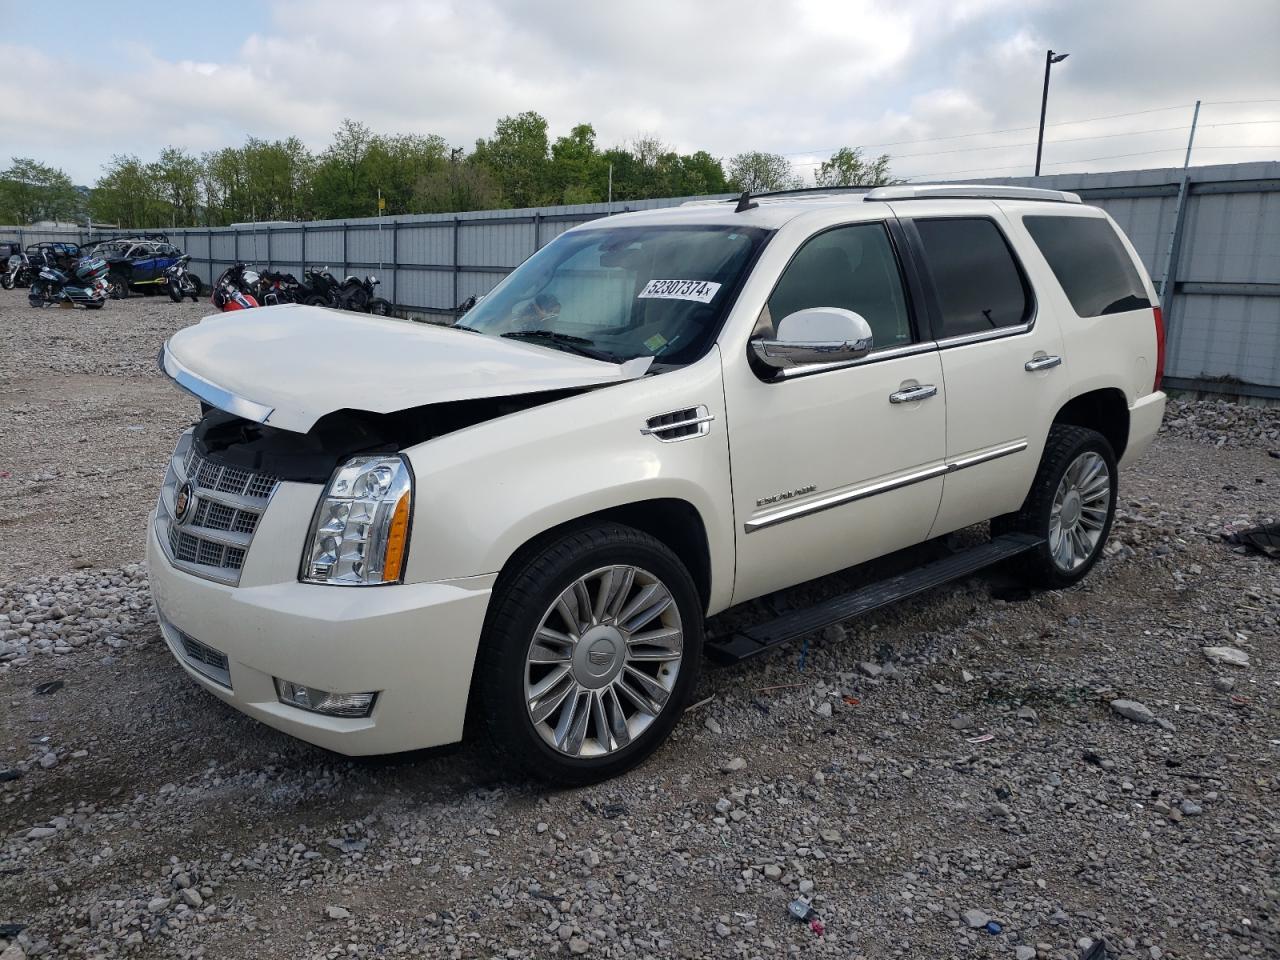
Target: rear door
{"points": [[1001, 352]]}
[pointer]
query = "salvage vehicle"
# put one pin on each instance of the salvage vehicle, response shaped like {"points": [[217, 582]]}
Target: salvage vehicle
{"points": [[380, 535], [137, 264]]}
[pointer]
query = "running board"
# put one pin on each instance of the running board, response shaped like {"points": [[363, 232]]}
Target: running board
{"points": [[764, 636]]}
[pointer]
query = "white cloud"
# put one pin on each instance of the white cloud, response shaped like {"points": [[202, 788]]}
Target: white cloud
{"points": [[720, 75]]}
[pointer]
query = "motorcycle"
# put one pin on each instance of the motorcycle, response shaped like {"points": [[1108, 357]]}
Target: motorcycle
{"points": [[19, 271], [280, 288], [320, 288], [236, 288], [181, 282], [82, 283], [356, 294]]}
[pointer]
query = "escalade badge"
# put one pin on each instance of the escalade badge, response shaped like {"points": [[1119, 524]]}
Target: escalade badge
{"points": [[786, 495], [182, 502]]}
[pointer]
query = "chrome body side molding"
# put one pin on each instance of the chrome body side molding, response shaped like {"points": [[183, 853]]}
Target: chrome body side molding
{"points": [[885, 485]]}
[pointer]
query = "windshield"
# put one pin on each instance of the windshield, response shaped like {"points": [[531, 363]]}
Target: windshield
{"points": [[624, 292]]}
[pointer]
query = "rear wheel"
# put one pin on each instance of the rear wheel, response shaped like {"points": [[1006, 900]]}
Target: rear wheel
{"points": [[1071, 506], [590, 652], [117, 286], [379, 307], [6, 279]]}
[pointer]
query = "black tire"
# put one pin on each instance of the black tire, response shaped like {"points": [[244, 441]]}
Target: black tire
{"points": [[316, 300], [1064, 447], [356, 300], [195, 287], [38, 295], [93, 305], [117, 285], [379, 307], [6, 279], [524, 595], [175, 290]]}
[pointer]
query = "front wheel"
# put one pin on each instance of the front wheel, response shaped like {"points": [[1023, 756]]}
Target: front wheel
{"points": [[176, 291], [590, 653], [1071, 506], [117, 286], [6, 280], [379, 307]]}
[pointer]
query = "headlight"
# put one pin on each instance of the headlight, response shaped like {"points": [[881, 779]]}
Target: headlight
{"points": [[361, 530]]}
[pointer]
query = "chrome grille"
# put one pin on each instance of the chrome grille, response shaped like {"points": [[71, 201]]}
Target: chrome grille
{"points": [[227, 503]]}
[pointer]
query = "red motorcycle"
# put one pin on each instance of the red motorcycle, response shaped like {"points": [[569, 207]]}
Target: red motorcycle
{"points": [[236, 289]]}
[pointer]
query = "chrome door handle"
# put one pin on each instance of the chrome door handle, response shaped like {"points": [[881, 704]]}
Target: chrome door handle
{"points": [[1042, 363], [914, 394]]}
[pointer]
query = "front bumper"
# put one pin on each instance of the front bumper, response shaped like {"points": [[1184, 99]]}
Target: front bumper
{"points": [[1145, 417], [415, 644]]}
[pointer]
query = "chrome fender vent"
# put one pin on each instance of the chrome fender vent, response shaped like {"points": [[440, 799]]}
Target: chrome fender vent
{"points": [[679, 424]]}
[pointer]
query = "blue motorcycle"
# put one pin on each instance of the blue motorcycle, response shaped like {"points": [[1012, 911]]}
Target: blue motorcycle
{"points": [[80, 283]]}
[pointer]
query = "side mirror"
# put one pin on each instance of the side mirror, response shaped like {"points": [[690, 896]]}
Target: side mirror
{"points": [[817, 335]]}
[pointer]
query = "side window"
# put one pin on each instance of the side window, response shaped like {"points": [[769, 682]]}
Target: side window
{"points": [[979, 285], [853, 268], [1092, 265]]}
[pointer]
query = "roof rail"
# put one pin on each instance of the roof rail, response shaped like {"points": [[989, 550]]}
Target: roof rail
{"points": [[972, 191]]}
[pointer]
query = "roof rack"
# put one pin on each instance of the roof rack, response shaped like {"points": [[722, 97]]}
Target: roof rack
{"points": [[943, 191]]}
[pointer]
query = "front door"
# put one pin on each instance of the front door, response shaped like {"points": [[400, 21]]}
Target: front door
{"points": [[837, 464]]}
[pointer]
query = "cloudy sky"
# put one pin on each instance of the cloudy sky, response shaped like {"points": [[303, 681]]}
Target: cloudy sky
{"points": [[800, 78]]}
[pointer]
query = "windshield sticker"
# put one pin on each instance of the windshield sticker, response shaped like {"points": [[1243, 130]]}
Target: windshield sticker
{"points": [[656, 342], [701, 291]]}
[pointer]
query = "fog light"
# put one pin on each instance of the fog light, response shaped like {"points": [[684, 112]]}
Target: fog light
{"points": [[323, 701]]}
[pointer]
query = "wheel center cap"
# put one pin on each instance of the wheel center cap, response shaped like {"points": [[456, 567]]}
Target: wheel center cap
{"points": [[1071, 509], [599, 656]]}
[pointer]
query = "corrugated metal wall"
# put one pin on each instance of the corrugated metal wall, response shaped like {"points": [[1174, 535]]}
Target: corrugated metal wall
{"points": [[1223, 317]]}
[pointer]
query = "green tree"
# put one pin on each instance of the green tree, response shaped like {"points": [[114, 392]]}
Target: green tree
{"points": [[849, 168], [456, 186], [761, 172], [394, 165], [517, 156], [340, 187], [575, 166], [177, 176], [128, 194], [31, 191]]}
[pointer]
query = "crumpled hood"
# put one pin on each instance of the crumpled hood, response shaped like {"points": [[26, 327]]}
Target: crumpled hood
{"points": [[289, 365]]}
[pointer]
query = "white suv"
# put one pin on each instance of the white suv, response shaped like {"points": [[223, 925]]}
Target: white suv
{"points": [[380, 531]]}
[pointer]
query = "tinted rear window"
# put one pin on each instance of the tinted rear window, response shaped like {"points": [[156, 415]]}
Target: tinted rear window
{"points": [[979, 285], [1094, 268]]}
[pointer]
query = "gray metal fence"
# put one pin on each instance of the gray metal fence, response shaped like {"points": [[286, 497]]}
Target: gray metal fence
{"points": [[1223, 313]]}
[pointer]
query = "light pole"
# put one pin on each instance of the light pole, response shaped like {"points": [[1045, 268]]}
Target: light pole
{"points": [[1050, 58]]}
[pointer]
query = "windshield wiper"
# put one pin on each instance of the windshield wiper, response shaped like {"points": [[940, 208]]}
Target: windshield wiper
{"points": [[579, 345], [463, 326]]}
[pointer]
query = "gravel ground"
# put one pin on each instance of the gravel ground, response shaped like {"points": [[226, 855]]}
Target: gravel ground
{"points": [[959, 776]]}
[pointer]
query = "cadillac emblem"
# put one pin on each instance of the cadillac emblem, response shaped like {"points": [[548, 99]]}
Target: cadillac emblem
{"points": [[182, 502]]}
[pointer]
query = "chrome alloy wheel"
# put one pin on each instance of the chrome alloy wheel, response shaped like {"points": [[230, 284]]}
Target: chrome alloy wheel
{"points": [[1079, 511], [602, 664]]}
